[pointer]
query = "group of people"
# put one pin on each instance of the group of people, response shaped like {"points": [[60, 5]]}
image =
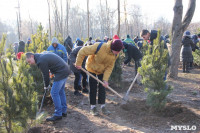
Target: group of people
{"points": [[97, 57]]}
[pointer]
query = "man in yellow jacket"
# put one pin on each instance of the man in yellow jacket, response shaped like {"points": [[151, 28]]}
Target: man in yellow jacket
{"points": [[100, 63]]}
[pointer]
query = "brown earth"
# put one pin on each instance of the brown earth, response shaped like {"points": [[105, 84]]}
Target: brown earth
{"points": [[183, 108]]}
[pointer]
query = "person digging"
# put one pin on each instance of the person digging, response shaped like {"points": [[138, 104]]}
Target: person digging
{"points": [[100, 63], [49, 61]]}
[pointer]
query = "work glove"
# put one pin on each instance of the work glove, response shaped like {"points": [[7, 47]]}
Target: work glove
{"points": [[47, 88]]}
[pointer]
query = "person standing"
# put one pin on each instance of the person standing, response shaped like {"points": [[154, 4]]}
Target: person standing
{"points": [[186, 51], [48, 61], [58, 49], [77, 72], [100, 63]]}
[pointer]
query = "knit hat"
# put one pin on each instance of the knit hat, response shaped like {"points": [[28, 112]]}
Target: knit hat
{"points": [[54, 40], [128, 36], [115, 37], [187, 33], [117, 45]]}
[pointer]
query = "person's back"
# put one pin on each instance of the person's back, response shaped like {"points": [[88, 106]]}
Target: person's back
{"points": [[49, 61], [68, 44], [128, 40], [21, 47], [186, 51], [133, 52]]}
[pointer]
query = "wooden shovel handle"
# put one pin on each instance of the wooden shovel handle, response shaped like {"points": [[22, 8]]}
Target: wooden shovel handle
{"points": [[101, 82]]}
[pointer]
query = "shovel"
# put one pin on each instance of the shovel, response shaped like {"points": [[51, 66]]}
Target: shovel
{"points": [[131, 86], [102, 83], [40, 114]]}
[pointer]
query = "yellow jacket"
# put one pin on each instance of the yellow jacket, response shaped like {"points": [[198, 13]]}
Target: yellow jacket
{"points": [[100, 63]]}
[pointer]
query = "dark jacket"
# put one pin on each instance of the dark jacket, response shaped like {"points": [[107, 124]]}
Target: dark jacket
{"points": [[68, 44], [21, 47], [133, 52], [195, 41], [49, 61], [186, 49], [73, 56]]}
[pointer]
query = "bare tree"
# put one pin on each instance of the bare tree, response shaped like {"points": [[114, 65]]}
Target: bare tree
{"points": [[49, 12], [118, 30], [125, 17], [31, 23], [162, 24], [67, 16], [178, 27], [19, 21], [88, 19]]}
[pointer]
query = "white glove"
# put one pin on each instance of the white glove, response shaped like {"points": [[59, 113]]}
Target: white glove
{"points": [[47, 88]]}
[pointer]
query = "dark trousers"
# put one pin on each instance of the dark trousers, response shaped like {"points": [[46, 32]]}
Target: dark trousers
{"points": [[137, 65], [93, 90], [77, 78], [185, 66]]}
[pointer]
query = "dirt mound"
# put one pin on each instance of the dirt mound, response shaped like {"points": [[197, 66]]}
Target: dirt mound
{"points": [[35, 130], [173, 114]]}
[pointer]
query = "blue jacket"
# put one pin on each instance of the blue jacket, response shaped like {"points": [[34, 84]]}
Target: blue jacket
{"points": [[59, 50]]}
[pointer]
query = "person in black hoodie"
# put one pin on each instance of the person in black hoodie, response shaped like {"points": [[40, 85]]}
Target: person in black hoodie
{"points": [[21, 47], [68, 45], [49, 61], [186, 51], [133, 52]]}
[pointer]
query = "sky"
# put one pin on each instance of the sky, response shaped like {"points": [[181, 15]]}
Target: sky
{"points": [[38, 10]]}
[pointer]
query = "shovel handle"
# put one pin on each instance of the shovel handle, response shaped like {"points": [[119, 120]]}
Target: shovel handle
{"points": [[132, 84], [42, 100], [101, 82]]}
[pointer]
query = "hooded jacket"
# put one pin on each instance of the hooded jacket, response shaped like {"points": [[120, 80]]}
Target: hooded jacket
{"points": [[100, 63], [133, 52], [72, 58], [59, 49]]}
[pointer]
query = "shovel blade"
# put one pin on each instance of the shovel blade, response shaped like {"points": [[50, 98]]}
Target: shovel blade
{"points": [[40, 115]]}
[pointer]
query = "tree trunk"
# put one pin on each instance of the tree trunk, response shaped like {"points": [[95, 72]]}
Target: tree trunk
{"points": [[118, 30], [88, 15], [178, 27], [125, 16], [48, 2]]}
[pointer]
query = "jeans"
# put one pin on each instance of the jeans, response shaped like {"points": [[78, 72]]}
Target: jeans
{"points": [[59, 97]]}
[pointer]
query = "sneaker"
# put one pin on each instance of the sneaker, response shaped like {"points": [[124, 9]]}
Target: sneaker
{"points": [[54, 118], [80, 88], [105, 111], [77, 93], [94, 111], [85, 90]]}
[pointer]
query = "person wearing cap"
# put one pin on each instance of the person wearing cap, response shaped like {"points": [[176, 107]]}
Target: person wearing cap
{"points": [[99, 63], [58, 49], [28, 41], [186, 51]]}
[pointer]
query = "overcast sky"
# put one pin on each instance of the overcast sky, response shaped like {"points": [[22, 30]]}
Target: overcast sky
{"points": [[37, 9]]}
